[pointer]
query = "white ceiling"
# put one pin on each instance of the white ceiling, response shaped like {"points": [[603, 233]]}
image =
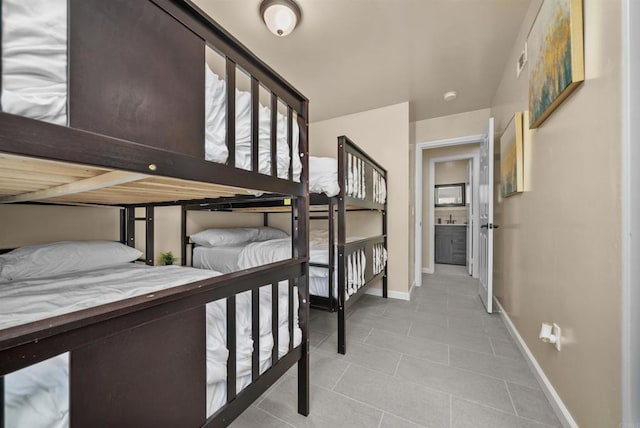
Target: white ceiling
{"points": [[348, 56]]}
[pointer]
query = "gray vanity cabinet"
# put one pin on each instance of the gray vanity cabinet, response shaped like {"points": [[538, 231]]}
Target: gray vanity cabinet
{"points": [[451, 244]]}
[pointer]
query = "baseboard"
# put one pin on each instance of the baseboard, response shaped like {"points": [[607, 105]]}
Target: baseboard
{"points": [[427, 270], [559, 408], [390, 293]]}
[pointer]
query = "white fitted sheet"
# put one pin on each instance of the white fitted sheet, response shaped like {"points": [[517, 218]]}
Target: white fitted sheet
{"points": [[323, 178], [34, 59], [221, 259], [37, 396]]}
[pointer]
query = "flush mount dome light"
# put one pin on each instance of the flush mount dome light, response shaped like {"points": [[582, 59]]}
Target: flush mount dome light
{"points": [[280, 16]]}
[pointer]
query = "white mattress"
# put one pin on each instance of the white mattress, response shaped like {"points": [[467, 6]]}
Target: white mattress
{"points": [[323, 178], [34, 59], [37, 396], [221, 259]]}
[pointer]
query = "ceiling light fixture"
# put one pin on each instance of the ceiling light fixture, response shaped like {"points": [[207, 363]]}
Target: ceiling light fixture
{"points": [[280, 16], [450, 96]]}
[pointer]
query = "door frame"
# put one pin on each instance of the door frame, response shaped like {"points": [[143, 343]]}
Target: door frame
{"points": [[420, 147]]}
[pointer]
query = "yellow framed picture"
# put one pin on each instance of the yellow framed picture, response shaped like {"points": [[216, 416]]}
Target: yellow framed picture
{"points": [[511, 157], [556, 57]]}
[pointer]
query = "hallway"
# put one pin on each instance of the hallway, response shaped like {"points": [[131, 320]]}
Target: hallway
{"points": [[437, 361]]}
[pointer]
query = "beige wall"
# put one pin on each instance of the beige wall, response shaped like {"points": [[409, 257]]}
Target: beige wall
{"points": [[39, 224], [451, 172], [384, 134], [558, 249], [452, 126]]}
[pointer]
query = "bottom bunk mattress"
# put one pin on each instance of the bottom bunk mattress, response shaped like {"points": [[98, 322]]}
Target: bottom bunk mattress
{"points": [[38, 396]]}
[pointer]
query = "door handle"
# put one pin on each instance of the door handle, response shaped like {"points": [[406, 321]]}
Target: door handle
{"points": [[489, 226]]}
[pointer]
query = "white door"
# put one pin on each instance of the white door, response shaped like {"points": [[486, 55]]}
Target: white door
{"points": [[485, 264], [470, 209]]}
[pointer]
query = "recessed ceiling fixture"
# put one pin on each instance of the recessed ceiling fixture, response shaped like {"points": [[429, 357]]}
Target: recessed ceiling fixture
{"points": [[450, 96], [280, 16]]}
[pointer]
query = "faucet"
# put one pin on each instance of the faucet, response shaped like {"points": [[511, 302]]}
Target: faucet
{"points": [[450, 219]]}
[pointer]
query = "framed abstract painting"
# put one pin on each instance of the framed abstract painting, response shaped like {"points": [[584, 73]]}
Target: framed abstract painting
{"points": [[511, 157], [556, 57]]}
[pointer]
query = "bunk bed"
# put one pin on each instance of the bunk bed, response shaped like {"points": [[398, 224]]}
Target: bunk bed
{"points": [[341, 267], [353, 263], [115, 108]]}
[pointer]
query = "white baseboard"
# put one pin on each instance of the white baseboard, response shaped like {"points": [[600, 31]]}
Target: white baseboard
{"points": [[427, 270], [559, 408], [390, 293]]}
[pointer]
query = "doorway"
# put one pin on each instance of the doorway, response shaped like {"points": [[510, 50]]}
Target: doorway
{"points": [[465, 149]]}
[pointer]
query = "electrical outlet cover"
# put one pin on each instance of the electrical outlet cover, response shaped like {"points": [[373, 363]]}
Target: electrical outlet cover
{"points": [[557, 332]]}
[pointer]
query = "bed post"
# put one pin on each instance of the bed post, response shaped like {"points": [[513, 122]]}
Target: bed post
{"points": [[130, 226], [149, 235], [332, 253], [300, 211], [183, 235], [384, 232], [342, 233]]}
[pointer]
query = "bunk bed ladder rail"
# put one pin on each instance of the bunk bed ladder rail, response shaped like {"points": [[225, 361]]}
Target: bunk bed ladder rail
{"points": [[128, 221]]}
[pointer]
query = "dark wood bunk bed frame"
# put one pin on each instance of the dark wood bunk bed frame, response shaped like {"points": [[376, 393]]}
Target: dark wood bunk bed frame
{"points": [[141, 361], [340, 205]]}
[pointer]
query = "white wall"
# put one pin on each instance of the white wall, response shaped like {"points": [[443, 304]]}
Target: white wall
{"points": [[384, 134]]}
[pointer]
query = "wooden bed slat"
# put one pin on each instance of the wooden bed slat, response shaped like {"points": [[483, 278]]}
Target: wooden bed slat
{"points": [[104, 180]]}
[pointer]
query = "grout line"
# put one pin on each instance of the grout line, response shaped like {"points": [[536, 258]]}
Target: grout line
{"points": [[381, 418], [341, 376], [276, 417], [492, 347], [524, 418], [511, 398], [367, 336], [398, 365]]}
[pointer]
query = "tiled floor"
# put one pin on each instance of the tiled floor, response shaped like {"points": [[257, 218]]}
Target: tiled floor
{"points": [[436, 361]]}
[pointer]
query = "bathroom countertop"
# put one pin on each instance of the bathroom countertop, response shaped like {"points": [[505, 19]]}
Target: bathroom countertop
{"points": [[448, 225]]}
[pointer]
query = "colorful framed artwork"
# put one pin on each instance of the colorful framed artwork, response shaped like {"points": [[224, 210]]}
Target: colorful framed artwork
{"points": [[511, 157], [556, 57]]}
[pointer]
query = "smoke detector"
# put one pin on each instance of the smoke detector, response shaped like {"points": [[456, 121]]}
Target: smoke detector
{"points": [[450, 96]]}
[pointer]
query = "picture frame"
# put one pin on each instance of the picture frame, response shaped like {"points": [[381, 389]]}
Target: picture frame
{"points": [[511, 157], [556, 57]]}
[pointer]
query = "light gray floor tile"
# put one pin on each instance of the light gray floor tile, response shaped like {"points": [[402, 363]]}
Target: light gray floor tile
{"points": [[413, 346], [391, 324], [506, 348], [392, 421], [533, 404], [478, 343], [420, 318], [382, 360], [516, 371], [462, 383], [325, 370], [316, 337], [414, 402], [254, 417], [328, 409], [472, 415]]}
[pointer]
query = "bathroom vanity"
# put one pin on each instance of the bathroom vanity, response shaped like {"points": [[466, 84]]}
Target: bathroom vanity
{"points": [[451, 244]]}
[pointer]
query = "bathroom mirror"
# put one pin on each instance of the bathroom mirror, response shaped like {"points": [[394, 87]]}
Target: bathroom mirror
{"points": [[449, 195]]}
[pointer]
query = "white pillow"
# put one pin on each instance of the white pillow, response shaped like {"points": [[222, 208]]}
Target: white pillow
{"points": [[63, 257], [224, 237], [323, 175], [268, 233]]}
